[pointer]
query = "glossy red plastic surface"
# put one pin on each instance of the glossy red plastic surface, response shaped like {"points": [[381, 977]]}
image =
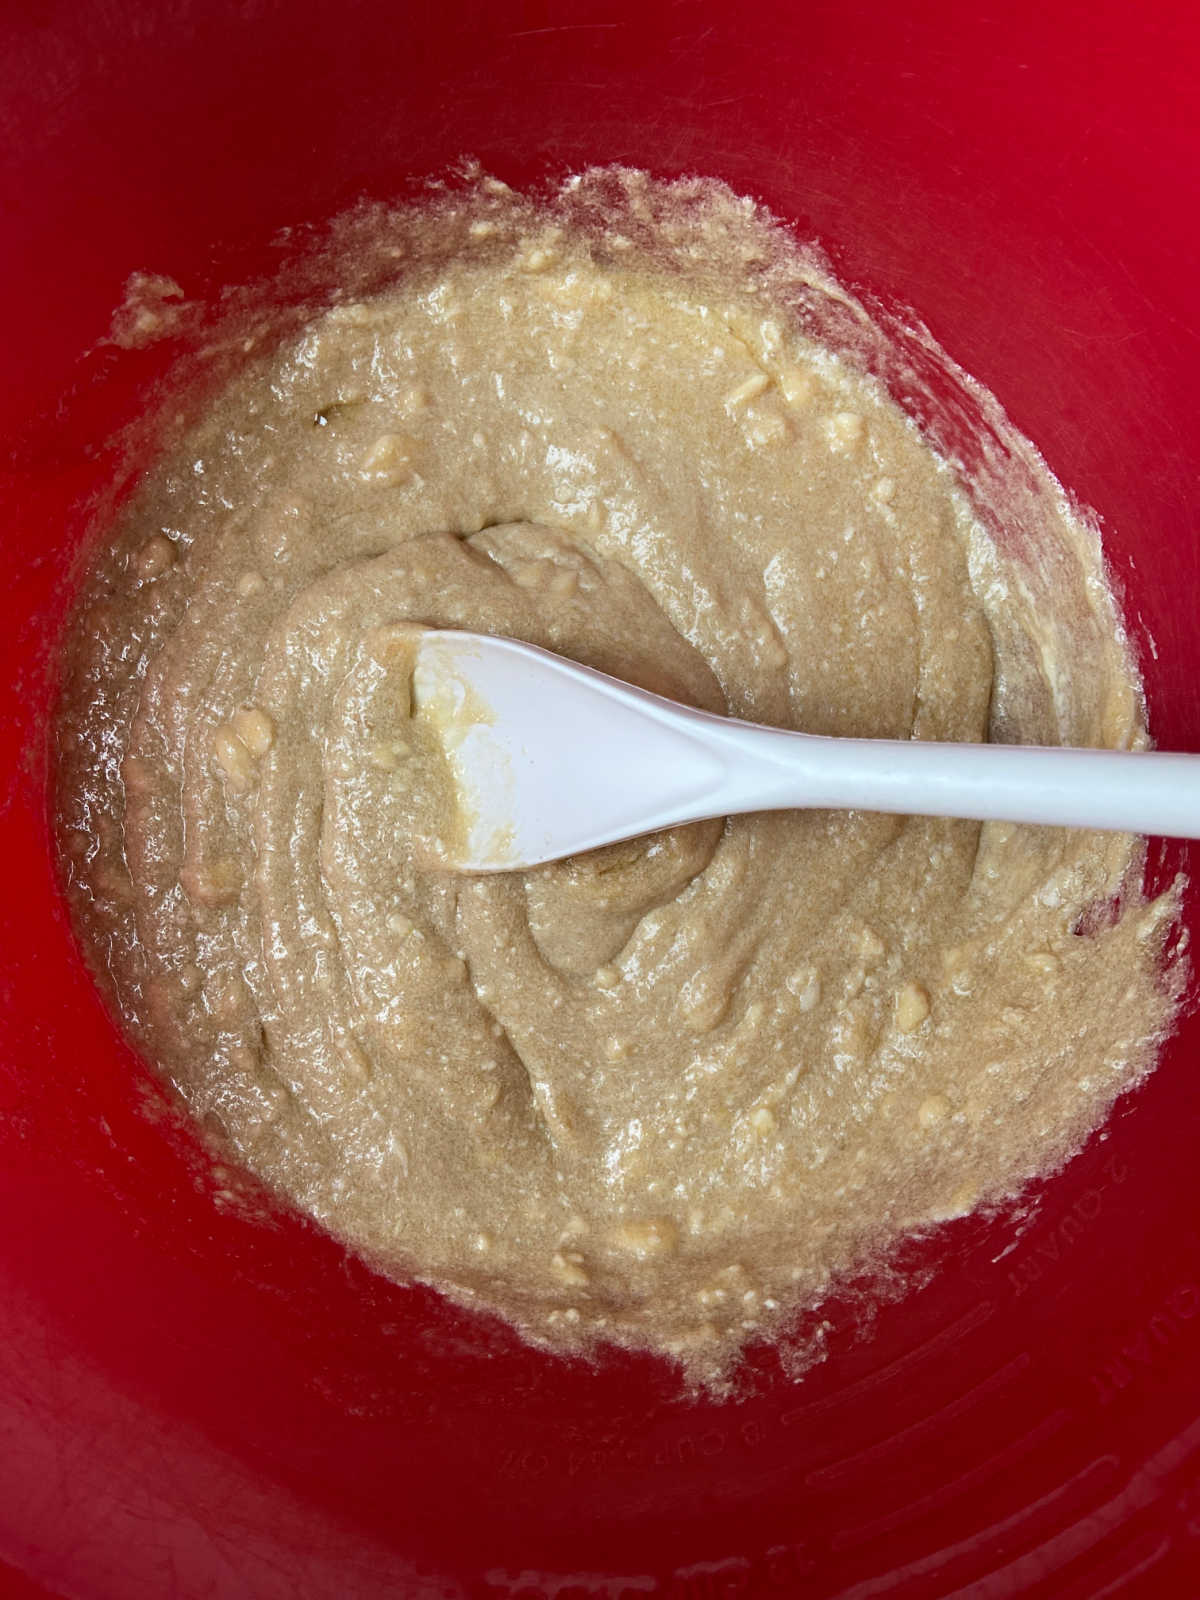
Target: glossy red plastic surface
{"points": [[194, 1403]]}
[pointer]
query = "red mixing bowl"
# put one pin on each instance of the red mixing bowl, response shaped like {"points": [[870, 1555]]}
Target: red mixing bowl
{"points": [[197, 1402]]}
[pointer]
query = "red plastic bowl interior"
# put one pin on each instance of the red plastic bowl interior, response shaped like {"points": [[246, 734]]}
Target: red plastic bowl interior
{"points": [[196, 1403]]}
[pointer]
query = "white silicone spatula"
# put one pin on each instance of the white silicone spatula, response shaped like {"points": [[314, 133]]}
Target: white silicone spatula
{"points": [[550, 758]]}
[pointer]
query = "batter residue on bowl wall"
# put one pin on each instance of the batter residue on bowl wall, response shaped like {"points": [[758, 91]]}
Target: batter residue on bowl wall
{"points": [[666, 1094]]}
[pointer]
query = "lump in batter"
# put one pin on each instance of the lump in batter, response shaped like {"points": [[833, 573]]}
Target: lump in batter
{"points": [[665, 1094]]}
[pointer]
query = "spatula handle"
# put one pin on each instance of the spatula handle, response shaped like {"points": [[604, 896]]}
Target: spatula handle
{"points": [[1139, 792]]}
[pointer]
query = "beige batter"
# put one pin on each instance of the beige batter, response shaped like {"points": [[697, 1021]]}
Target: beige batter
{"points": [[664, 1094]]}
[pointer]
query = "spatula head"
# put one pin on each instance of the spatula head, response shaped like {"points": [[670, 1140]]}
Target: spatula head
{"points": [[550, 758]]}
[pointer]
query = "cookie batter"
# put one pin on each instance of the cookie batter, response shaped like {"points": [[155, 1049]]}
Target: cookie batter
{"points": [[665, 1094]]}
